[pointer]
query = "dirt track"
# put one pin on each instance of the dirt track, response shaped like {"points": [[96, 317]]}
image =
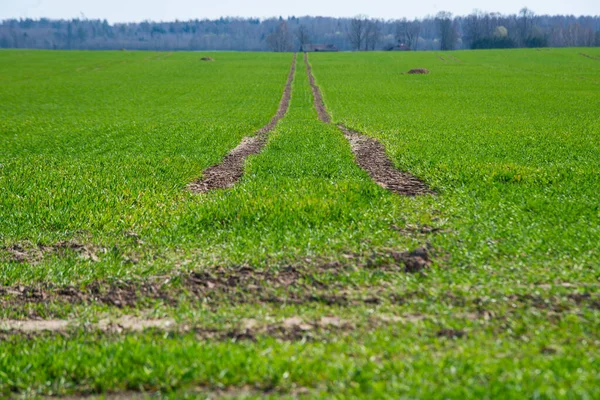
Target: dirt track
{"points": [[370, 154], [231, 169]]}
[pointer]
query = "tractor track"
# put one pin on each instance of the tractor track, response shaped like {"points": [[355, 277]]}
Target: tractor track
{"points": [[370, 155], [231, 169]]}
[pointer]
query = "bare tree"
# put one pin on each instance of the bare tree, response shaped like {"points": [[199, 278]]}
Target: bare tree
{"points": [[407, 32], [372, 34], [280, 40], [302, 36], [525, 24], [448, 34], [478, 30], [357, 32]]}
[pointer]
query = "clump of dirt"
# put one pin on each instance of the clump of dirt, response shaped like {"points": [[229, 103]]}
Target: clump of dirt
{"points": [[414, 261], [207, 59], [370, 156], [418, 71], [231, 169], [451, 333], [413, 229]]}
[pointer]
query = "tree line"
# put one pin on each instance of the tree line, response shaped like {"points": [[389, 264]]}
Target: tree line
{"points": [[439, 32]]}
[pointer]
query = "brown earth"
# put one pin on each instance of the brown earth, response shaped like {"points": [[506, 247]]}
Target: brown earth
{"points": [[370, 154], [418, 71], [207, 59], [597, 58], [231, 169], [125, 323], [235, 284], [319, 104], [293, 328], [32, 254]]}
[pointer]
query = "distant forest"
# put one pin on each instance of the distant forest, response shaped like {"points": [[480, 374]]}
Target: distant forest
{"points": [[440, 32]]}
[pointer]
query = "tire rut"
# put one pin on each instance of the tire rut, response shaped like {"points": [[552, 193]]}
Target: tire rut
{"points": [[231, 169], [370, 155]]}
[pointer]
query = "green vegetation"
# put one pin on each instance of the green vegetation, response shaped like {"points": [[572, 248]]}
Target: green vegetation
{"points": [[511, 140], [301, 292]]}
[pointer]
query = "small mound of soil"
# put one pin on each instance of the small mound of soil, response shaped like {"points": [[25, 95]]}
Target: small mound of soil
{"points": [[418, 71], [207, 59]]}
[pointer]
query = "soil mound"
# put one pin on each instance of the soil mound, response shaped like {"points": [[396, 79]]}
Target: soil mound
{"points": [[418, 71], [207, 59]]}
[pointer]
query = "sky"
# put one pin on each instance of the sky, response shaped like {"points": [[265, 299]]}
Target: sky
{"points": [[168, 10]]}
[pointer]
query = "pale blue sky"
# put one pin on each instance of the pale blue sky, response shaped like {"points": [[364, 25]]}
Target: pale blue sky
{"points": [[138, 10]]}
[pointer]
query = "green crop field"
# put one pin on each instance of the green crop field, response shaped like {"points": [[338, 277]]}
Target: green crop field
{"points": [[117, 280]]}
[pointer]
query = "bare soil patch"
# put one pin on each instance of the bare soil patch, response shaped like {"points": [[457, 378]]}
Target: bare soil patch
{"points": [[597, 58], [125, 323], [207, 59], [414, 261], [418, 71], [235, 285], [370, 154], [318, 99], [451, 333], [289, 329], [231, 169], [33, 254]]}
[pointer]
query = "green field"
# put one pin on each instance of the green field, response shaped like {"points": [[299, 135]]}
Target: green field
{"points": [[291, 283]]}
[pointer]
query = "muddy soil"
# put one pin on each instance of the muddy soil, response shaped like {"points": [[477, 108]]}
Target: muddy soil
{"points": [[370, 156], [418, 71], [287, 285], [231, 169]]}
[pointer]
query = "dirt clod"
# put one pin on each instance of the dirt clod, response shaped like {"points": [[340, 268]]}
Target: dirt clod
{"points": [[451, 333], [207, 59], [414, 261], [418, 71]]}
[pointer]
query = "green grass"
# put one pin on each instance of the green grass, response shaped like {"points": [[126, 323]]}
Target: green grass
{"points": [[511, 140], [508, 139]]}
